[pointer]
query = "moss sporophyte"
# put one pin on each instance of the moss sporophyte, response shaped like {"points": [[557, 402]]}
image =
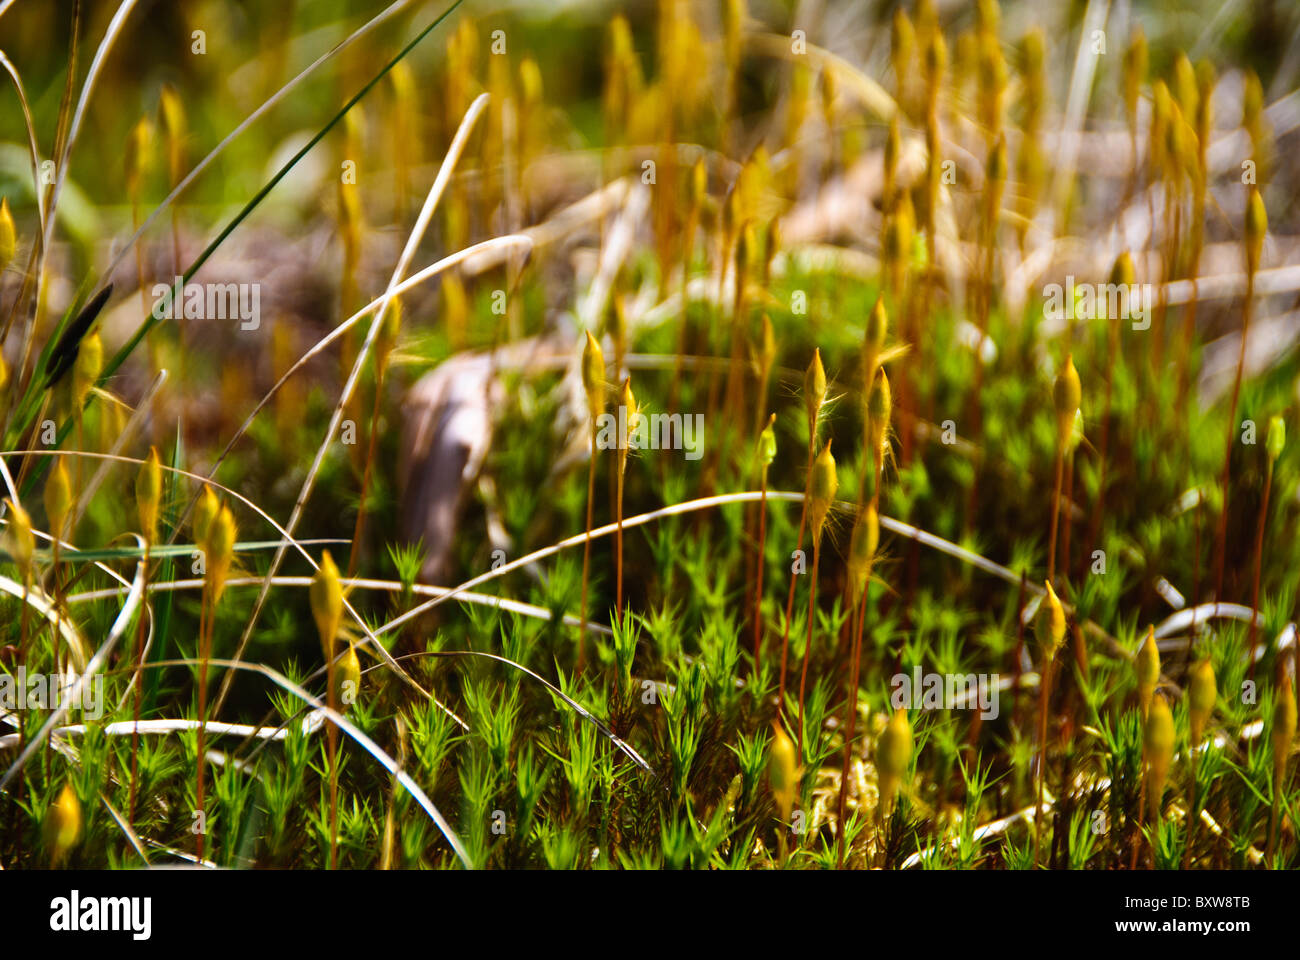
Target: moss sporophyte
{"points": [[1002, 412]]}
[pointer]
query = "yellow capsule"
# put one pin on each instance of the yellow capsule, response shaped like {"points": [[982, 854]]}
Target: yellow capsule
{"points": [[63, 824], [617, 322], [1067, 395], [996, 167], [899, 230], [1049, 626], [1135, 72], [767, 443], [58, 497], [1173, 148], [8, 234], [139, 143], [350, 223], [455, 304], [326, 596], [734, 15], [992, 82], [1256, 228], [112, 421], [627, 400], [88, 366], [814, 388], [771, 244], [987, 16], [1276, 437], [347, 678], [767, 349], [893, 757], [877, 328], [386, 339], [403, 81], [620, 38], [1158, 740], [879, 410], [902, 45], [221, 552], [354, 131], [22, 544], [927, 18], [593, 376], [148, 494], [936, 60], [1284, 723], [894, 749], [173, 122], [1147, 665], [1189, 94], [1161, 108], [862, 550], [830, 93], [746, 251], [699, 183], [782, 771], [1252, 107], [873, 341], [4, 382], [467, 34], [1205, 81], [1202, 692], [530, 82], [822, 490], [622, 74], [754, 181], [1188, 149], [205, 511], [1122, 272]]}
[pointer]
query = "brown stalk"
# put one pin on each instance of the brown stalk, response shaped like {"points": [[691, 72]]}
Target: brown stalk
{"points": [[1259, 557], [586, 550], [1056, 510], [1044, 694], [205, 616], [850, 725], [807, 651], [137, 683], [762, 550], [789, 603], [1221, 533]]}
